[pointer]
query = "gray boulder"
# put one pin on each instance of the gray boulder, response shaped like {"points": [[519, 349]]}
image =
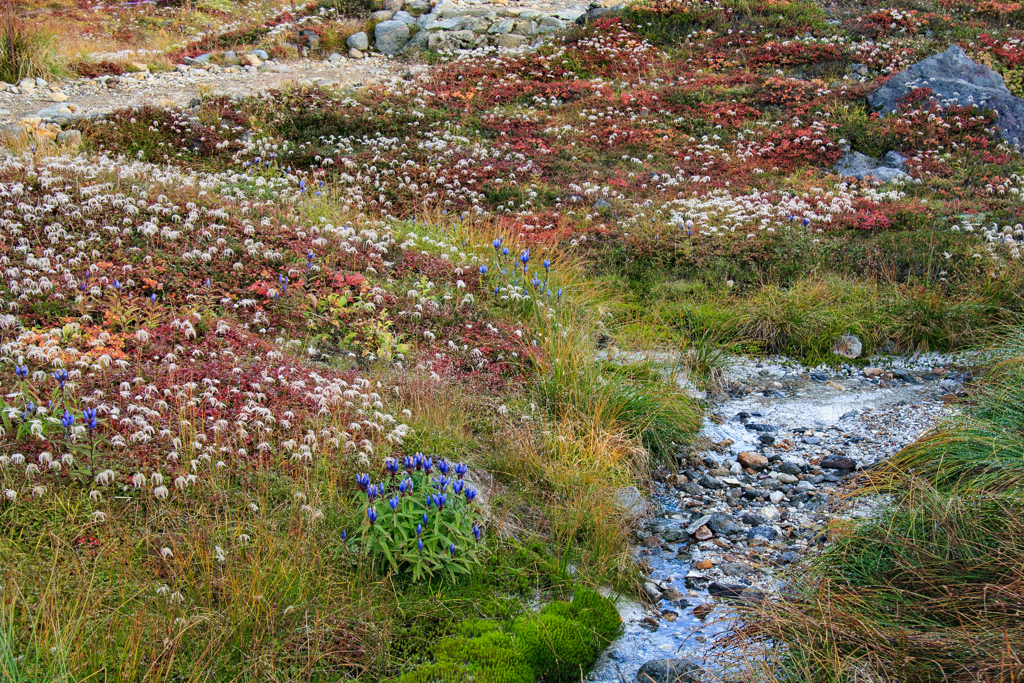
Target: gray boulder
{"points": [[670, 671], [261, 54], [418, 42], [69, 137], [848, 345], [391, 36], [404, 16], [863, 167], [358, 41], [953, 77], [449, 41], [511, 41]]}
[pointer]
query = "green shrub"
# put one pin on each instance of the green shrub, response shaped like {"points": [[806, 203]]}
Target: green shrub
{"points": [[26, 53]]}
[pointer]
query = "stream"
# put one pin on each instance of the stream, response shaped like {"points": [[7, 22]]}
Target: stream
{"points": [[803, 428]]}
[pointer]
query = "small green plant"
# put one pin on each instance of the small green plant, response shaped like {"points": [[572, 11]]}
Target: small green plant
{"points": [[426, 524]]}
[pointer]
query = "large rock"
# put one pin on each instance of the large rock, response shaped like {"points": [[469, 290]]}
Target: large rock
{"points": [[449, 41], [848, 345], [752, 460], [863, 167], [953, 77], [358, 41], [511, 41], [391, 36], [670, 671]]}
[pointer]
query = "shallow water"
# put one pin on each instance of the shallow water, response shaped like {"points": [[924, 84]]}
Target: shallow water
{"points": [[846, 402]]}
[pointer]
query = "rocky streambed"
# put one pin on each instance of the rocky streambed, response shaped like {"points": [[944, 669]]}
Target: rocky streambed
{"points": [[774, 457]]}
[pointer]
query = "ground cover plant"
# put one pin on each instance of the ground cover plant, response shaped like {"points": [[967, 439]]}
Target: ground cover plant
{"points": [[232, 336]]}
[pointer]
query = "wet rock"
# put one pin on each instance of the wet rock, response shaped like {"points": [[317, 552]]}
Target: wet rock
{"points": [[838, 462], [670, 671], [765, 533], [720, 589], [722, 524], [652, 592], [697, 523], [788, 478], [752, 461], [953, 77], [709, 482], [848, 345], [358, 41], [790, 467], [703, 534]]}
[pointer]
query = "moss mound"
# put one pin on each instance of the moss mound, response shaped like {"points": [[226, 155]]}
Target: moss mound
{"points": [[558, 644]]}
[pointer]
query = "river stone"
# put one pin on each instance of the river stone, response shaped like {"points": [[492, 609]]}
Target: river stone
{"points": [[752, 519], [391, 36], [720, 589], [953, 77], [847, 346], [405, 17], [703, 534], [722, 524], [709, 482], [633, 502], [358, 41], [652, 592], [381, 15], [765, 533], [838, 462], [862, 167], [697, 524], [260, 54], [670, 671], [753, 461]]}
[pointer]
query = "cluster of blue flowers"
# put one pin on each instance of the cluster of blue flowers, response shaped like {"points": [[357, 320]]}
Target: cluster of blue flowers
{"points": [[538, 283]]}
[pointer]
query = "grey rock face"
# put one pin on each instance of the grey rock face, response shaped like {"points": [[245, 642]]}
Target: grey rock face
{"points": [[447, 41], [953, 77], [391, 36], [863, 167]]}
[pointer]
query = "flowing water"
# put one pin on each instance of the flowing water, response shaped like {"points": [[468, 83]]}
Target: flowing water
{"points": [[869, 419]]}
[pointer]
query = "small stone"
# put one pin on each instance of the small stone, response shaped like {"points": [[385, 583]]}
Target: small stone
{"points": [[838, 462], [58, 97], [789, 478], [27, 84], [334, 57], [720, 589], [776, 496], [703, 534], [704, 565], [770, 512], [355, 54], [753, 461], [652, 592], [250, 60], [722, 524], [261, 54], [765, 533]]}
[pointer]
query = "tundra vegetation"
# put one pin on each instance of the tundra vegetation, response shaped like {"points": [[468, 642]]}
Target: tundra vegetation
{"points": [[316, 385]]}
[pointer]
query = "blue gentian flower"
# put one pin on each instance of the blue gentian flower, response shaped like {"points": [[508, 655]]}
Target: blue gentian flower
{"points": [[21, 371], [547, 264], [451, 549], [419, 544], [476, 532], [67, 420], [460, 470], [470, 494], [457, 486], [394, 504], [371, 514], [483, 270]]}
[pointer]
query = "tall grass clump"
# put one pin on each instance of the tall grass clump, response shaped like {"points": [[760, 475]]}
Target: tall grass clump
{"points": [[983, 448], [931, 587], [27, 52]]}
